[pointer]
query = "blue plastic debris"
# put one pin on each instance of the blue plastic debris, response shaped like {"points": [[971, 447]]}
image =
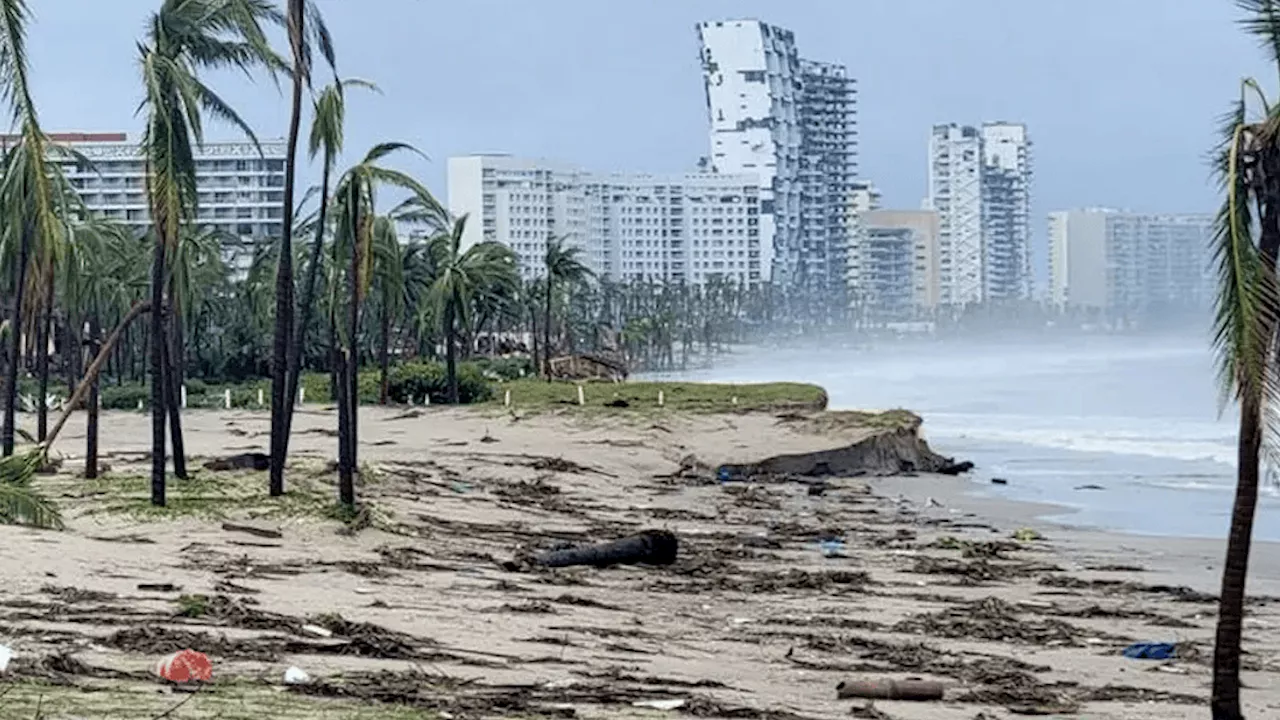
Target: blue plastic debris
{"points": [[1151, 651]]}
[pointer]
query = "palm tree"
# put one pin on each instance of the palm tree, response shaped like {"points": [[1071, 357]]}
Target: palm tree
{"points": [[484, 269], [388, 278], [184, 37], [356, 205], [1247, 241], [28, 194], [300, 34], [327, 127], [562, 266]]}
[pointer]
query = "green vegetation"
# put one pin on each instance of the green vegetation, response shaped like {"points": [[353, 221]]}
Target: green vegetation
{"points": [[210, 495], [537, 395]]}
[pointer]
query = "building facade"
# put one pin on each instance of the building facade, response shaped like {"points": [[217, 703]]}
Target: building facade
{"points": [[924, 228], [955, 193], [791, 122], [665, 228], [1129, 265], [241, 191], [1006, 208], [980, 185]]}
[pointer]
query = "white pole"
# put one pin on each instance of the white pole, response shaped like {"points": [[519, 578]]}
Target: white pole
{"points": [[661, 399], [302, 396], [426, 399], [734, 400], [259, 397], [139, 404], [506, 401], [184, 396], [226, 398], [582, 398]]}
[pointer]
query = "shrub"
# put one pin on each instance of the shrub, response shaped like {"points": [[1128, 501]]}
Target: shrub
{"points": [[196, 386], [316, 387], [125, 397], [410, 381], [506, 368]]}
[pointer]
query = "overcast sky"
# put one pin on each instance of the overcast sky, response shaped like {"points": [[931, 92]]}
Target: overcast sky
{"points": [[1120, 96]]}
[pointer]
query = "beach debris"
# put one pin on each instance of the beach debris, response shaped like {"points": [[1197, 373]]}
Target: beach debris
{"points": [[243, 461], [1026, 535], [159, 587], [955, 468], [255, 530], [296, 676], [1090, 486], [999, 481], [869, 712], [889, 689], [651, 547], [317, 631], [817, 489], [992, 619], [185, 666], [831, 548], [6, 656], [1151, 651], [672, 704], [618, 403]]}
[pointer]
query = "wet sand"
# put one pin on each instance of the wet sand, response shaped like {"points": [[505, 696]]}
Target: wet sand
{"points": [[752, 621]]}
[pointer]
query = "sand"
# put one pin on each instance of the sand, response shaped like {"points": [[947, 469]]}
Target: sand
{"points": [[753, 621]]}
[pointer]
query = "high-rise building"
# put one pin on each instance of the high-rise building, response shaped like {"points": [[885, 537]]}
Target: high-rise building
{"points": [[665, 228], [980, 185], [791, 122], [241, 190], [924, 227], [1127, 265], [955, 193], [1006, 201]]}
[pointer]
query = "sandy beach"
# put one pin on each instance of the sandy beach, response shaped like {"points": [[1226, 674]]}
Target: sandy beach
{"points": [[416, 616]]}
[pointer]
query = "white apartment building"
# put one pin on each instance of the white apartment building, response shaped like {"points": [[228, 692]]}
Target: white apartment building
{"points": [[955, 193], [666, 228], [919, 255], [1128, 264], [980, 185], [1006, 201], [241, 192]]}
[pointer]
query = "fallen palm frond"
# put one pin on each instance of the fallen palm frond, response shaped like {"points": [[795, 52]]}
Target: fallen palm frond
{"points": [[19, 502]]}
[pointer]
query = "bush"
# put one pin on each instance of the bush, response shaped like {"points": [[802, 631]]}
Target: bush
{"points": [[125, 397], [315, 386], [196, 386], [407, 383], [506, 368]]}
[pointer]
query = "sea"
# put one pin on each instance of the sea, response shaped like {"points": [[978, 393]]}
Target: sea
{"points": [[1123, 433]]}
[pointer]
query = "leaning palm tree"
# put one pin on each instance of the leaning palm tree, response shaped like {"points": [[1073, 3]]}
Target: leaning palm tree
{"points": [[184, 37], [562, 266], [1247, 241], [304, 23], [463, 276]]}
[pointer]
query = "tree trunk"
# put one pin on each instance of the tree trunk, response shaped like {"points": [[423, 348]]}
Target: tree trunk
{"points": [[173, 397], [280, 399], [91, 375], [43, 328], [384, 347], [308, 299], [91, 422], [18, 274], [353, 358], [451, 348], [651, 547], [346, 463], [156, 349], [1225, 702], [546, 334]]}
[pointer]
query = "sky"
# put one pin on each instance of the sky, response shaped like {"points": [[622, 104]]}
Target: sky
{"points": [[1121, 97]]}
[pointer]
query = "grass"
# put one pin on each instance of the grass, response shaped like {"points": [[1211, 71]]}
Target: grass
{"points": [[538, 395], [223, 699]]}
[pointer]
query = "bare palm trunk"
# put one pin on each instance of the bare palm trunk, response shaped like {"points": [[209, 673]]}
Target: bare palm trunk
{"points": [[45, 324], [172, 396], [346, 463], [308, 300], [91, 423], [156, 349], [280, 399], [384, 347], [353, 359], [546, 334], [18, 274], [451, 348]]}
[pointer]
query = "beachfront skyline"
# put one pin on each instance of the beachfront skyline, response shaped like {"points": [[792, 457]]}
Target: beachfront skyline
{"points": [[620, 87]]}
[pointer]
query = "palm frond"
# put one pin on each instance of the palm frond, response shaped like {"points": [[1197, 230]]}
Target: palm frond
{"points": [[19, 502]]}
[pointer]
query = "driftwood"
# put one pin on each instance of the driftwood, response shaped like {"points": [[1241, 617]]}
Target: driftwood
{"points": [[887, 689], [651, 547], [243, 461], [262, 532]]}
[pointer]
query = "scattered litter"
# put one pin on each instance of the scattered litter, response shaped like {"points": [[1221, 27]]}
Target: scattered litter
{"points": [[159, 587], [999, 481], [460, 487], [1151, 651], [6, 656], [1090, 487], [364, 591], [296, 676], [673, 704], [1026, 535], [887, 689], [832, 548], [255, 530], [317, 630], [185, 666]]}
